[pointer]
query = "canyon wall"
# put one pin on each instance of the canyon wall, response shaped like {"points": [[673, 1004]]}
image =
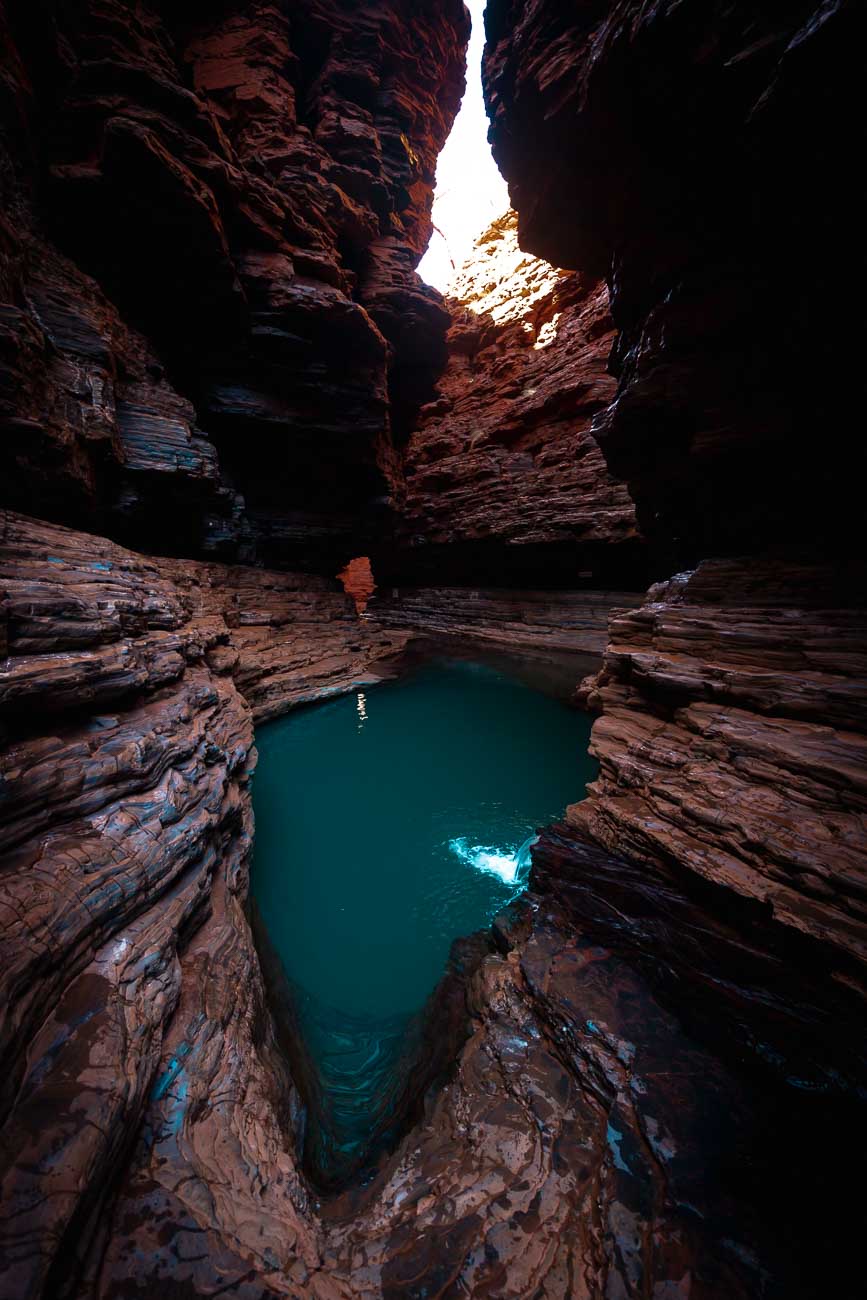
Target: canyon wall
{"points": [[554, 636], [129, 690], [504, 454], [149, 1135], [698, 156], [214, 349], [211, 222], [149, 1120], [692, 154]]}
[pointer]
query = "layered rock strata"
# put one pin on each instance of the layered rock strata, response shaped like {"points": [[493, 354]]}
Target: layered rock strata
{"points": [[525, 623], [252, 189], [692, 153], [504, 453], [558, 1156], [665, 146], [733, 740], [225, 359]]}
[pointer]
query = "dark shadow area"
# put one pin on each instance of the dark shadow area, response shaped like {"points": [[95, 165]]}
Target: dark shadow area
{"points": [[783, 1013]]}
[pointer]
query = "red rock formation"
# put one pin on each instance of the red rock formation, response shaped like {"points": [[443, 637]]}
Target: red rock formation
{"points": [[505, 453], [547, 626], [134, 1012], [732, 738], [725, 744], [698, 155], [225, 359], [128, 697], [253, 192]]}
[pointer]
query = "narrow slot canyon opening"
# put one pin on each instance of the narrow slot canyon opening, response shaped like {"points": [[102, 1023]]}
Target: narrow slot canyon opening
{"points": [[412, 816], [470, 193]]}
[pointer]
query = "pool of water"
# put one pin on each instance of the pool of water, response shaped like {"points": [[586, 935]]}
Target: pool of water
{"points": [[388, 824]]}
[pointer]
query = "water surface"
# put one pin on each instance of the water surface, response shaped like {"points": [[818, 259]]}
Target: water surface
{"points": [[388, 824]]}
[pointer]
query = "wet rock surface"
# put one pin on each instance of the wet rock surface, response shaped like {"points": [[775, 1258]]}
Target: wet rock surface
{"points": [[732, 739], [129, 695]]}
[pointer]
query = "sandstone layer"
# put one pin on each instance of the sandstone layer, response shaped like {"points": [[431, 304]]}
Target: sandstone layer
{"points": [[568, 629], [734, 740], [559, 1158], [129, 691], [732, 735]]}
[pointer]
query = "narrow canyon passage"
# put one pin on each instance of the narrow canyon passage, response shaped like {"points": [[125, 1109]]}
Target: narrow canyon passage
{"points": [[389, 824], [433, 651]]}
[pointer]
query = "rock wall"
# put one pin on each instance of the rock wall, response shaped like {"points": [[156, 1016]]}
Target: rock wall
{"points": [[504, 453], [250, 188], [129, 689], [526, 623], [691, 153], [732, 741], [699, 157], [213, 344], [149, 1121]]}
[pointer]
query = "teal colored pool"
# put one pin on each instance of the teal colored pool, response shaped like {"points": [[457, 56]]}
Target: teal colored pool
{"points": [[388, 824]]}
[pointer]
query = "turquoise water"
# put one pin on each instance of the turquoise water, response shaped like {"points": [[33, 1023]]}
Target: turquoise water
{"points": [[388, 824]]}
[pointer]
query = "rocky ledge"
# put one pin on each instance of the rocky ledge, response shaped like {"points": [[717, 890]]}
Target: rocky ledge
{"points": [[549, 628], [129, 689], [732, 740]]}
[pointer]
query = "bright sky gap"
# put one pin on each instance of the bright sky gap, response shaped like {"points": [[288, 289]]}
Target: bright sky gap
{"points": [[470, 192]]}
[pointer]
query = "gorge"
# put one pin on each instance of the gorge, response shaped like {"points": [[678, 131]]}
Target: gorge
{"points": [[441, 780], [625, 483]]}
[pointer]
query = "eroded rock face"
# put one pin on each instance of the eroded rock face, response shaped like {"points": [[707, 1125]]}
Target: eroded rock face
{"points": [[504, 455], [252, 188], [671, 147], [733, 740], [550, 628], [129, 696], [145, 1091], [697, 155], [213, 342]]}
